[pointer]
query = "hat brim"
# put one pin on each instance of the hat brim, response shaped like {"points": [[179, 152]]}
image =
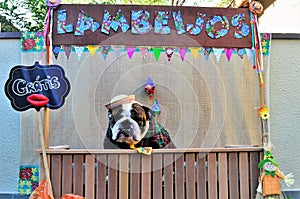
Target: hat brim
{"points": [[261, 163]]}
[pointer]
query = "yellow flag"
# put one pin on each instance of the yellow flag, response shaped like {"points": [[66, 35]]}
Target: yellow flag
{"points": [[194, 51], [92, 49]]}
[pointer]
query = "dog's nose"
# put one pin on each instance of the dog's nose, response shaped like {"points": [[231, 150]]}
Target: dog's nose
{"points": [[126, 125]]}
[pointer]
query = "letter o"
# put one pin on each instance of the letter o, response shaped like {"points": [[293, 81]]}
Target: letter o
{"points": [[210, 26]]}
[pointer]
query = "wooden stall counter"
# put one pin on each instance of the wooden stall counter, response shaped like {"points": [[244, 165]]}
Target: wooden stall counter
{"points": [[229, 172]]}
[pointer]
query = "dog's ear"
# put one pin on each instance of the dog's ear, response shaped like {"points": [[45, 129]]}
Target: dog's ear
{"points": [[148, 111]]}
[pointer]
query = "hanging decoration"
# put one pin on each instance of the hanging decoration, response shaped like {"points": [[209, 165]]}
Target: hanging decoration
{"points": [[92, 49], [143, 51], [156, 52], [228, 53], [207, 52], [182, 52], [130, 51], [104, 51], [79, 50], [195, 51], [150, 88], [218, 52], [169, 53], [67, 50], [156, 108]]}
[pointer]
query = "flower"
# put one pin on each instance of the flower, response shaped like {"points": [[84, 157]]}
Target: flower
{"points": [[25, 173], [263, 112]]}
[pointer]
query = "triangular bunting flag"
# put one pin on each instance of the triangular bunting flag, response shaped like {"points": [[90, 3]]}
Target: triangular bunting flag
{"points": [[156, 52], [130, 51], [249, 53], [104, 51], [169, 53], [182, 52], [207, 52], [241, 52], [92, 49], [118, 51], [194, 51], [67, 50], [228, 53], [144, 51], [218, 52], [79, 50], [56, 50]]}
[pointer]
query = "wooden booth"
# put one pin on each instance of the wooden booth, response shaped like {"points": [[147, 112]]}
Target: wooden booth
{"points": [[213, 121]]}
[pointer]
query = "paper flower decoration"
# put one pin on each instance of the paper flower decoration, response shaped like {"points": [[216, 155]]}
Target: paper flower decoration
{"points": [[150, 88], [52, 3], [263, 112], [156, 108]]}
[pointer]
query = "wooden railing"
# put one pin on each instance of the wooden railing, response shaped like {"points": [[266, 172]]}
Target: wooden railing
{"points": [[230, 173]]}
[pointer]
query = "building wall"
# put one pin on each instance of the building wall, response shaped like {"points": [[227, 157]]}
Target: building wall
{"points": [[284, 110], [10, 55]]}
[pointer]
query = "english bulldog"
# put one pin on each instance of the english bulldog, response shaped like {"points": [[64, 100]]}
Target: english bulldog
{"points": [[133, 124]]}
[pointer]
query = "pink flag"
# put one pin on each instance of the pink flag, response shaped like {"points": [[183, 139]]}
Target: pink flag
{"points": [[182, 52], [130, 51], [228, 52]]}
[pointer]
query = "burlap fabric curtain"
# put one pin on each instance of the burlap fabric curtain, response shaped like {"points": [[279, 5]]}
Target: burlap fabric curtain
{"points": [[204, 103]]}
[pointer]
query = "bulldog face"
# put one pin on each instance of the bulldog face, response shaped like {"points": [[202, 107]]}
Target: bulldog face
{"points": [[129, 122]]}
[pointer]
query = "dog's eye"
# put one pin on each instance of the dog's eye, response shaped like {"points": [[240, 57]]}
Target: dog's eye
{"points": [[109, 115]]}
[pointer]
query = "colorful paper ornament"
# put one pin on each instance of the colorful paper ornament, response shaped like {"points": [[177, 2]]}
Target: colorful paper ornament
{"points": [[130, 51], [52, 3], [143, 51], [263, 112], [156, 108], [169, 53], [92, 49], [156, 52], [67, 50], [104, 51], [194, 51], [207, 52], [228, 53], [56, 50], [218, 52], [79, 50], [182, 52], [150, 88], [117, 50]]}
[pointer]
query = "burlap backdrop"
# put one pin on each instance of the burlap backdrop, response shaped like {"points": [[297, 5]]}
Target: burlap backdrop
{"points": [[203, 103]]}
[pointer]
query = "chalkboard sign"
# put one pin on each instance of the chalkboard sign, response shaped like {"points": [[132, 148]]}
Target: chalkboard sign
{"points": [[48, 80]]}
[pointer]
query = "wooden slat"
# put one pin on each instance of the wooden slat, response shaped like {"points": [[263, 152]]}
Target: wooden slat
{"points": [[233, 175], [179, 176], [253, 172], [112, 191], [67, 174], [190, 175], [78, 175], [135, 170], [101, 177], [244, 175], [223, 176], [157, 176], [123, 176], [90, 176], [212, 176], [201, 176], [146, 177], [168, 176], [56, 168]]}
